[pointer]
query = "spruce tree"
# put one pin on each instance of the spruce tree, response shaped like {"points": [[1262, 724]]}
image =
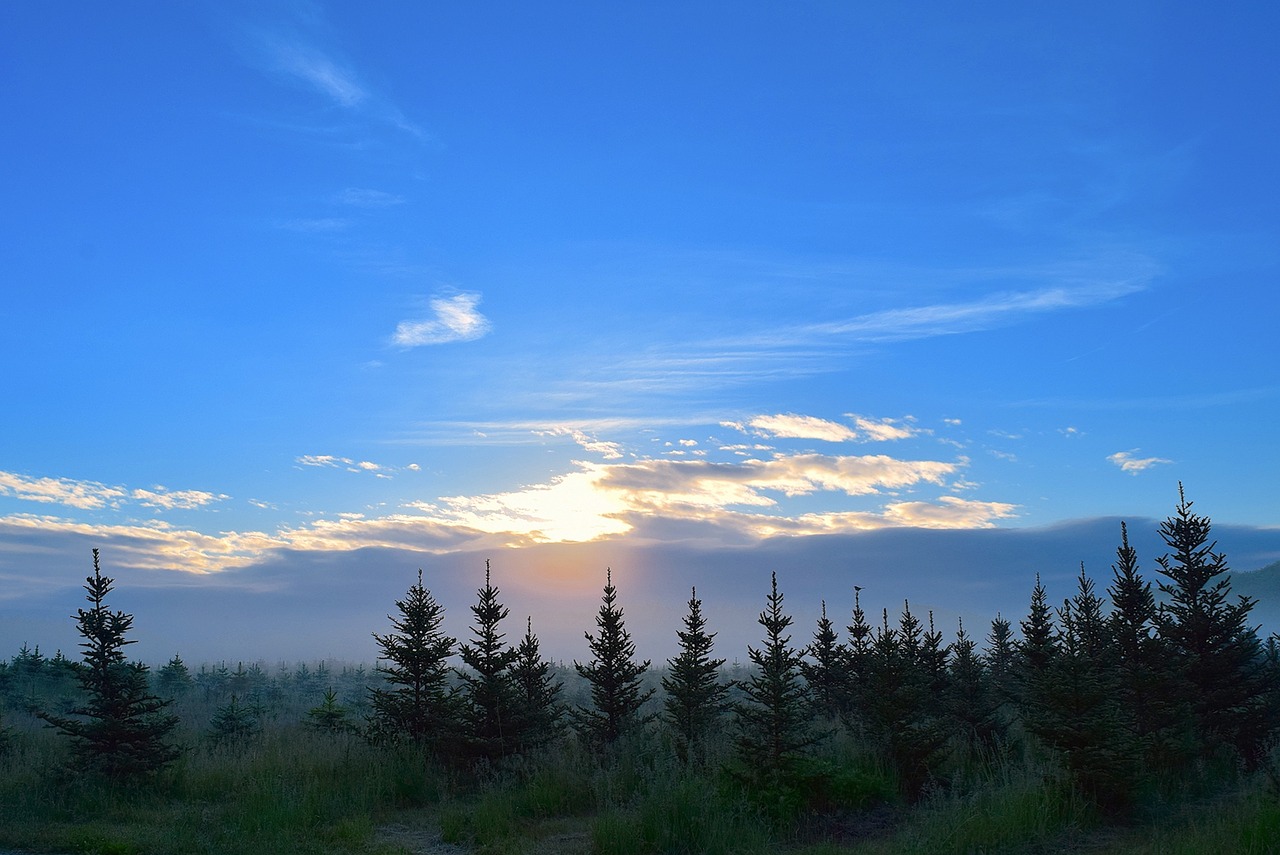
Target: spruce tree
{"points": [[488, 693], [1000, 660], [858, 661], [695, 697], [1144, 672], [971, 703], [234, 724], [330, 716], [773, 722], [826, 669], [1082, 716], [1217, 653], [420, 706], [614, 675], [121, 731], [903, 715], [173, 680], [1036, 652], [537, 693]]}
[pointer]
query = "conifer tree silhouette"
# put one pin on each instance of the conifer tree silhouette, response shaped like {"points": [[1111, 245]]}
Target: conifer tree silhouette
{"points": [[488, 692], [420, 707], [695, 697], [173, 680], [1082, 715], [971, 703], [1217, 653], [773, 722], [1142, 661], [903, 716], [121, 731], [537, 693], [233, 724], [858, 652], [614, 675], [1035, 653], [826, 670]]}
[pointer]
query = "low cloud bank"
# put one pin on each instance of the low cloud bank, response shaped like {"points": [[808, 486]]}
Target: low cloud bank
{"points": [[305, 605]]}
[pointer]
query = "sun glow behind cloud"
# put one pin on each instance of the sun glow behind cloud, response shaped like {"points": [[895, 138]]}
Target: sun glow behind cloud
{"points": [[741, 499]]}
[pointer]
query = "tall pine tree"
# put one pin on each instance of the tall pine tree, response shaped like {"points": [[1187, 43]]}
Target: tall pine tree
{"points": [[489, 696], [537, 693], [1217, 653], [121, 731], [695, 697], [773, 721], [1144, 673], [826, 669], [614, 675], [420, 705]]}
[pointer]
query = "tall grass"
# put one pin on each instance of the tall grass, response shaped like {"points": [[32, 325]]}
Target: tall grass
{"points": [[291, 791]]}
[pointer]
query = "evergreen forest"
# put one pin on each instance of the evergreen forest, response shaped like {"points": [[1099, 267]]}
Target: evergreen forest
{"points": [[1139, 715]]}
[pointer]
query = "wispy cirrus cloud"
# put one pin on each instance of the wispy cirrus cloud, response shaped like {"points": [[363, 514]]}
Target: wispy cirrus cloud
{"points": [[1134, 465], [987, 312], [314, 68], [361, 197], [297, 58], [606, 449], [331, 461], [454, 318]]}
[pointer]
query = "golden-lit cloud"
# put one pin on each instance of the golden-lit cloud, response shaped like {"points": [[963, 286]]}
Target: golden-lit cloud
{"points": [[169, 500], [86, 495], [607, 450], [645, 500], [91, 495], [793, 426]]}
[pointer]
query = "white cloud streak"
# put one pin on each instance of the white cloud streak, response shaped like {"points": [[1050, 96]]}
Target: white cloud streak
{"points": [[792, 426], [91, 495], [455, 318], [1134, 465], [318, 71]]}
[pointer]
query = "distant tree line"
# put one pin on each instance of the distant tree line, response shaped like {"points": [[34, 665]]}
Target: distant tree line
{"points": [[1114, 689]]}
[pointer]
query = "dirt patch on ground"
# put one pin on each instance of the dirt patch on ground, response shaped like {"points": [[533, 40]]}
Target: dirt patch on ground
{"points": [[420, 835]]}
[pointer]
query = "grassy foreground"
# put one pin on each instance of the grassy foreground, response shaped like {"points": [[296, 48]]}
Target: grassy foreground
{"points": [[293, 790]]}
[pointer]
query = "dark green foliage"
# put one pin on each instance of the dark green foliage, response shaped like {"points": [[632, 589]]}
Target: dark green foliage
{"points": [[537, 693], [1035, 653], [330, 716], [1000, 660], [233, 724], [773, 722], [488, 693], [614, 675], [174, 679], [971, 702], [858, 657], [1082, 714], [826, 670], [903, 715], [1216, 653], [695, 697], [121, 731], [420, 707], [1145, 676]]}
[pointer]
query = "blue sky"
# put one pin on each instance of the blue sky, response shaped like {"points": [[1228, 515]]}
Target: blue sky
{"points": [[298, 279]]}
